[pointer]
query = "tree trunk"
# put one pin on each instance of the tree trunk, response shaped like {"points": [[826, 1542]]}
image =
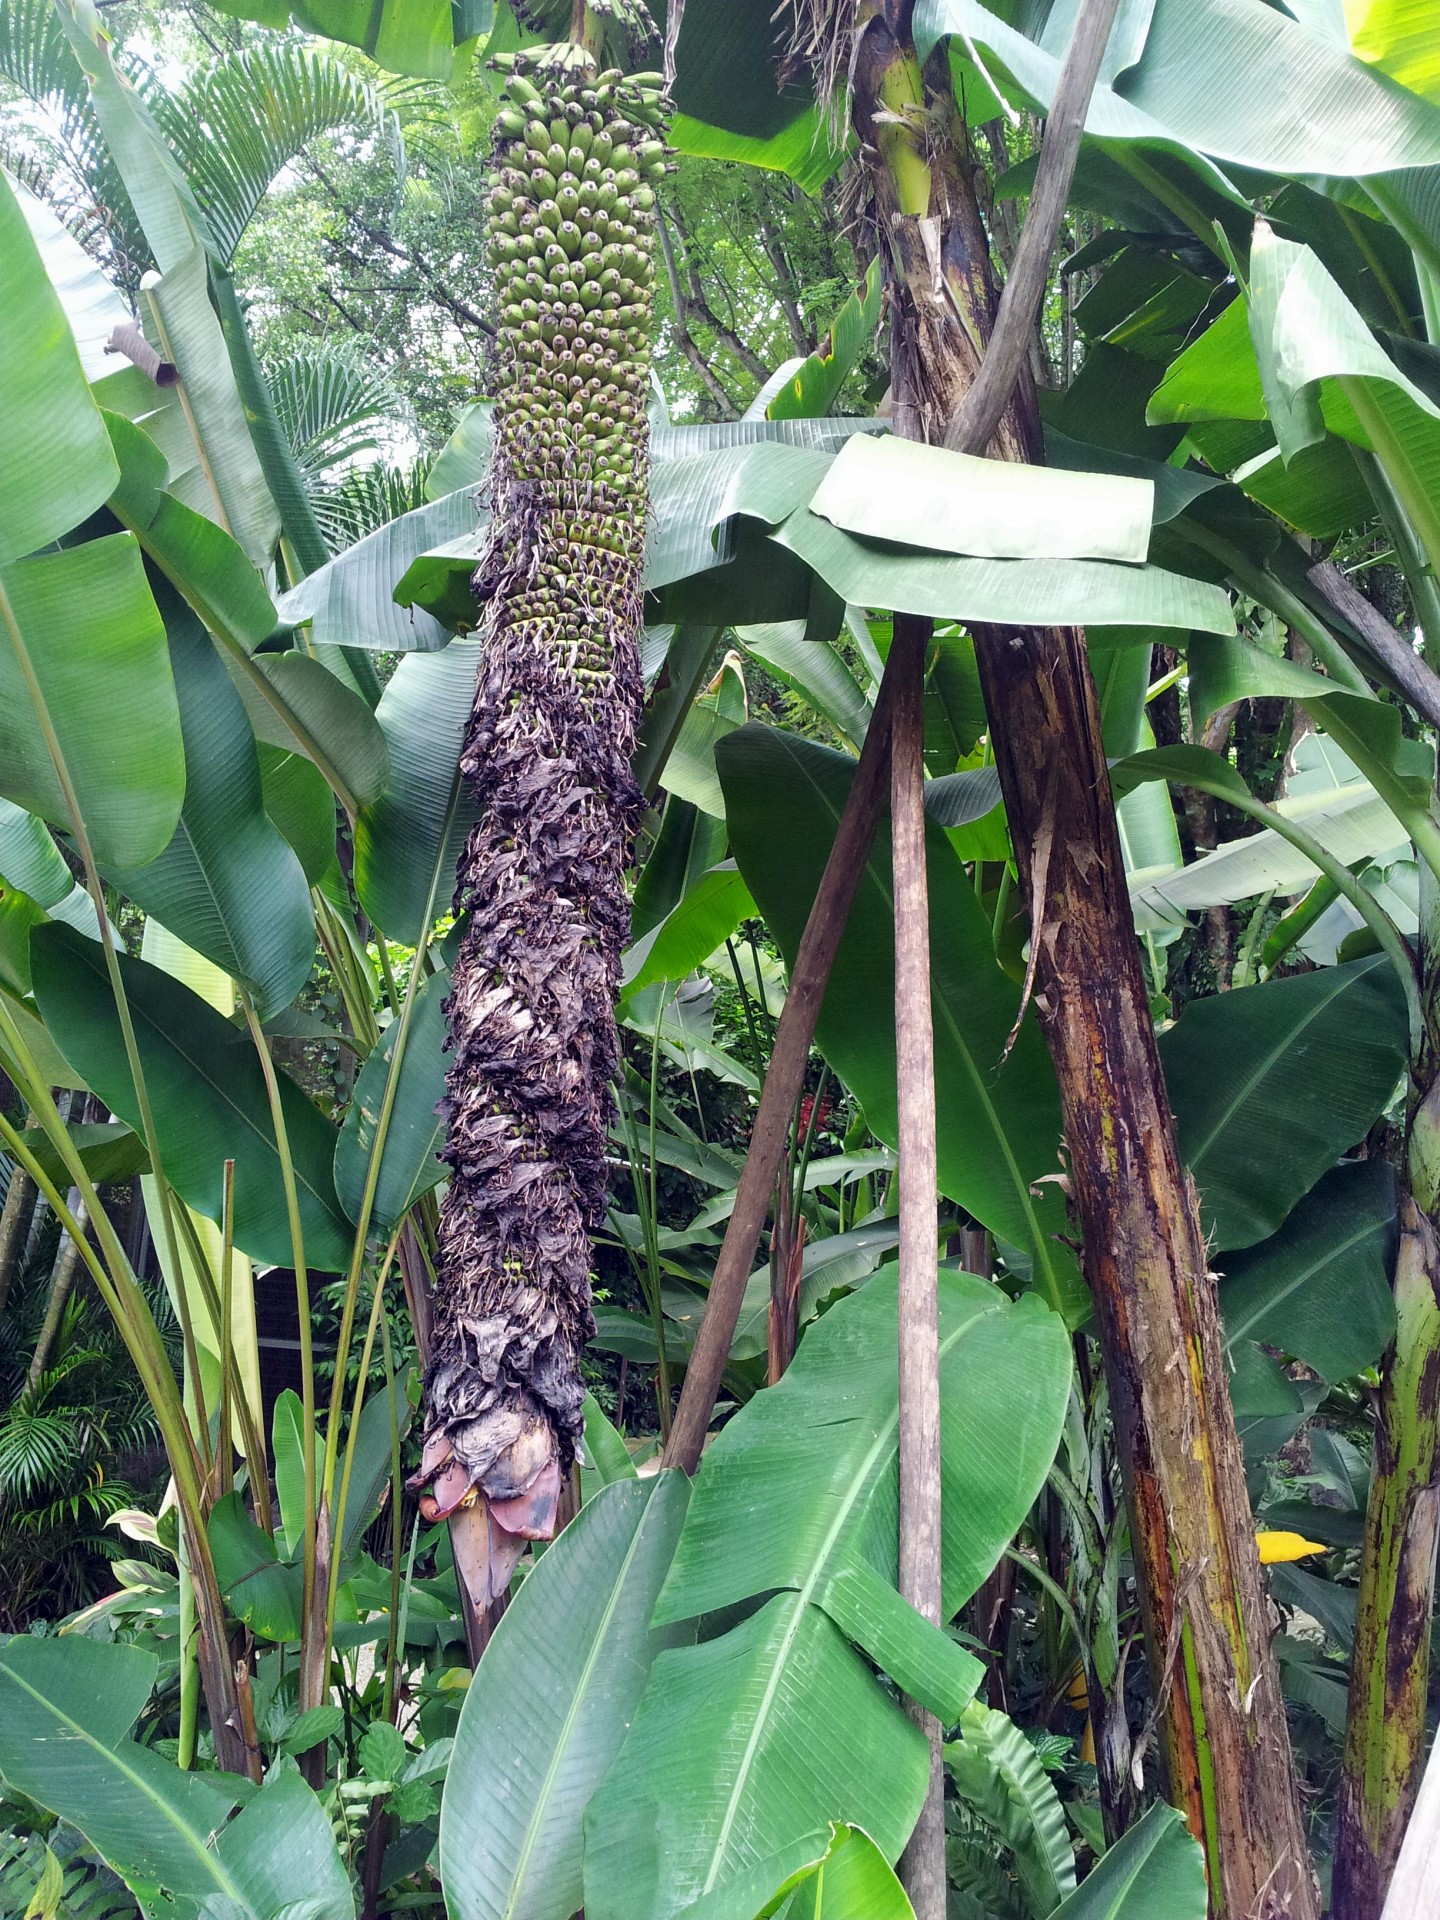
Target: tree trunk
{"points": [[1417, 1871], [547, 754], [1390, 1669], [62, 1279], [922, 1868], [1225, 1738], [1385, 1724], [14, 1227], [783, 1079]]}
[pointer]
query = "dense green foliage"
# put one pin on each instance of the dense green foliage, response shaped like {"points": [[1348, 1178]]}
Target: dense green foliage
{"points": [[239, 652]]}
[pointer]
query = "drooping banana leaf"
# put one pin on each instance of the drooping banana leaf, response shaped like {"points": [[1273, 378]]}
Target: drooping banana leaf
{"points": [[1243, 83], [746, 1745]]}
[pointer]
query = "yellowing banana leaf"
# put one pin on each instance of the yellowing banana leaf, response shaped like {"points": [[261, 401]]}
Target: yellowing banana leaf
{"points": [[814, 386]]}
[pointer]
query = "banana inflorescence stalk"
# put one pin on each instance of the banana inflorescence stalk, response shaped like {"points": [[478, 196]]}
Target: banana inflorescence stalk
{"points": [[547, 752]]}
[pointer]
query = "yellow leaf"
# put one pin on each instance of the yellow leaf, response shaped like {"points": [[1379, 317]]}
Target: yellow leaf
{"points": [[1278, 1547], [45, 1900]]}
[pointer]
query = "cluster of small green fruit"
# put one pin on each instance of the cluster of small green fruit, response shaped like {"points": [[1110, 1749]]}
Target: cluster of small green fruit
{"points": [[572, 226]]}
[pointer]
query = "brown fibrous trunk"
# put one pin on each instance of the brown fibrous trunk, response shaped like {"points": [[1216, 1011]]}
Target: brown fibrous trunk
{"points": [[1225, 1741]]}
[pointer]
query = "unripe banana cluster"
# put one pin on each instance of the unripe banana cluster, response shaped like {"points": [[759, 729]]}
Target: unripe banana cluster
{"points": [[572, 239]]}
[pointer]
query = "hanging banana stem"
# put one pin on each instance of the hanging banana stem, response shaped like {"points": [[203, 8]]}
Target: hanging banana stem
{"points": [[547, 752]]}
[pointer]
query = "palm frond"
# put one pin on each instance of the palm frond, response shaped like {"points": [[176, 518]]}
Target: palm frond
{"points": [[88, 1509], [60, 150], [36, 1446], [365, 499], [331, 407], [236, 124], [36, 57]]}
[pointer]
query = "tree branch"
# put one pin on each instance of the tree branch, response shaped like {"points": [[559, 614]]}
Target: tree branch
{"points": [[785, 286], [808, 978], [697, 307], [1418, 682], [981, 410], [708, 376]]}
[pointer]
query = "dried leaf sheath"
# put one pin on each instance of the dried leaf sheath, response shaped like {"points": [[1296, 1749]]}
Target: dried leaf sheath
{"points": [[547, 751]]}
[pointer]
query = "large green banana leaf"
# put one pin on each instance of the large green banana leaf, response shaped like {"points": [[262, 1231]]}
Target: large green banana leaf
{"points": [[84, 661], [1047, 592], [293, 700], [1234, 79], [464, 459], [58, 465], [407, 841], [1398, 37], [999, 1127], [297, 704], [66, 1707], [851, 1880], [550, 1704], [701, 477], [351, 601], [817, 671], [83, 658], [1271, 1084], [703, 921], [923, 496], [693, 495], [176, 299], [833, 1419], [687, 846], [418, 37], [1154, 1872], [1320, 1287], [300, 802], [1322, 368], [1406, 795], [228, 884], [29, 858], [91, 305], [746, 1746], [762, 471], [207, 1093]]}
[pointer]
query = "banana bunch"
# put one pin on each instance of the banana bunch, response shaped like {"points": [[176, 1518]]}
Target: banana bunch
{"points": [[571, 205]]}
